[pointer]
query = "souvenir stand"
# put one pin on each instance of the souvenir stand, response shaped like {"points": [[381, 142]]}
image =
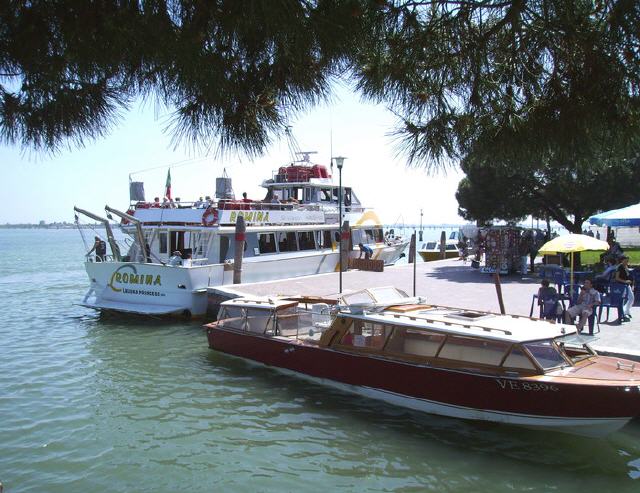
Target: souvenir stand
{"points": [[501, 244]]}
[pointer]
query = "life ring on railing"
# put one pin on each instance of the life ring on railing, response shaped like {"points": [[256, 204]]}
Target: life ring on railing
{"points": [[131, 212], [210, 217]]}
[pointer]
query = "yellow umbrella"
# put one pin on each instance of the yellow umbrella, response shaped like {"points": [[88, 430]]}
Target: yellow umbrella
{"points": [[572, 243]]}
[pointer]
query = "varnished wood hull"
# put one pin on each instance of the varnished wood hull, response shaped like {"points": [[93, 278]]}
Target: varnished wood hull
{"points": [[565, 404]]}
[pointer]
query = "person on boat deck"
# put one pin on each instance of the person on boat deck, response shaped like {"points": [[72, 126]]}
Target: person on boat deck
{"points": [[366, 250], [245, 198], [177, 203], [198, 203], [587, 299], [175, 259], [623, 275], [156, 202], [165, 203], [100, 247]]}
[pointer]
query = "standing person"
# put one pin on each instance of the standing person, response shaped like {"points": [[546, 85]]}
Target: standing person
{"points": [[245, 198], [624, 276], [367, 251], [526, 244], [100, 247], [587, 299]]}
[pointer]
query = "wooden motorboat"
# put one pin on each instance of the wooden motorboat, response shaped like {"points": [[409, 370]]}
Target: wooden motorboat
{"points": [[461, 363]]}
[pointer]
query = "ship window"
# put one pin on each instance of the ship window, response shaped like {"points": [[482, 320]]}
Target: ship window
{"points": [[356, 236], [287, 242], [224, 247], [430, 245], [306, 241], [366, 334], [452, 247], [369, 237], [232, 317], [287, 321], [517, 359], [474, 350], [162, 237], [545, 354], [325, 195], [415, 342], [267, 242], [258, 320], [379, 235]]}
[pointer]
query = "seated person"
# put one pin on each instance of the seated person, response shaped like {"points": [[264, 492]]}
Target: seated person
{"points": [[175, 259], [546, 293], [587, 299], [545, 290], [366, 250]]}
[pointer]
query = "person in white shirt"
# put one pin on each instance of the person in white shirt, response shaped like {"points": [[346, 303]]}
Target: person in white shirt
{"points": [[587, 299]]}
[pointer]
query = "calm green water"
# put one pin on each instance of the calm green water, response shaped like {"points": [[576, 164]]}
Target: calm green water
{"points": [[90, 404]]}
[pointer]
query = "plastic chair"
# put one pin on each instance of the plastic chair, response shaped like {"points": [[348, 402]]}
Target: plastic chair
{"points": [[561, 280], [616, 298], [548, 308]]}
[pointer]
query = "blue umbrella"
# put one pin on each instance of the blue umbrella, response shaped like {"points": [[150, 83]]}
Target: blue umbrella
{"points": [[627, 216]]}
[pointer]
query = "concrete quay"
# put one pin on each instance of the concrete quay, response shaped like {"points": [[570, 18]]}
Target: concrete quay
{"points": [[451, 283]]}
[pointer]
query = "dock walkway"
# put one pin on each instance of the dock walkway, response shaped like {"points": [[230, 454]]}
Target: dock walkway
{"points": [[452, 283]]}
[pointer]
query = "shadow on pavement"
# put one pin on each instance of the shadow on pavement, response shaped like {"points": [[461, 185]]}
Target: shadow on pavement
{"points": [[466, 274]]}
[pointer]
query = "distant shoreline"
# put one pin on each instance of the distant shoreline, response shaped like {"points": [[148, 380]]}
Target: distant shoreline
{"points": [[51, 226]]}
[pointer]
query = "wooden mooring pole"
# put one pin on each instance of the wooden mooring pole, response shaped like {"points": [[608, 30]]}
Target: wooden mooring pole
{"points": [[240, 238], [496, 279]]}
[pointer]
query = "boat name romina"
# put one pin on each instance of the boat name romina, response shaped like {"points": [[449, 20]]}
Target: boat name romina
{"points": [[272, 217], [133, 278]]}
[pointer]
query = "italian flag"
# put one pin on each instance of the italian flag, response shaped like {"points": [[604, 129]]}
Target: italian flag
{"points": [[167, 186]]}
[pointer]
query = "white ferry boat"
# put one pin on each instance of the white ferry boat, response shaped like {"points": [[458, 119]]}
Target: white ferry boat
{"points": [[293, 231]]}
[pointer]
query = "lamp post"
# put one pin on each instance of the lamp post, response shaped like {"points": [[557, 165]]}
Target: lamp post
{"points": [[339, 162], [420, 224]]}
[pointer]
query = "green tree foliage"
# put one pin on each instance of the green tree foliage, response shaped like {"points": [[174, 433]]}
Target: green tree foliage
{"points": [[538, 100], [228, 69], [543, 94], [548, 76], [570, 195]]}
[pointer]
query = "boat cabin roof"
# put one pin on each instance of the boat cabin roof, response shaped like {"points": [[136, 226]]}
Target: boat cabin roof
{"points": [[391, 306]]}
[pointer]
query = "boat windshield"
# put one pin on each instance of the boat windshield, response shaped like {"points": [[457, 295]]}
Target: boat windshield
{"points": [[387, 295], [546, 354]]}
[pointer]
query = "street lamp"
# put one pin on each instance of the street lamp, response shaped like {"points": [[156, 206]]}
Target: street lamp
{"points": [[339, 162], [420, 224]]}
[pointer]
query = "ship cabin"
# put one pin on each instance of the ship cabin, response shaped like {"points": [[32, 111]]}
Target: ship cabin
{"points": [[386, 323], [298, 214]]}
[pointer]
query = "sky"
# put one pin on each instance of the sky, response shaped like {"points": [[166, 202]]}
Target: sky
{"points": [[38, 186]]}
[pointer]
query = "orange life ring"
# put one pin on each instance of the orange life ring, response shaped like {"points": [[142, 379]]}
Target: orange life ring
{"points": [[131, 212], [209, 217]]}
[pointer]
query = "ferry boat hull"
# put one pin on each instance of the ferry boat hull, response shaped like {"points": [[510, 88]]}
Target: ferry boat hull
{"points": [[156, 289], [579, 406]]}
